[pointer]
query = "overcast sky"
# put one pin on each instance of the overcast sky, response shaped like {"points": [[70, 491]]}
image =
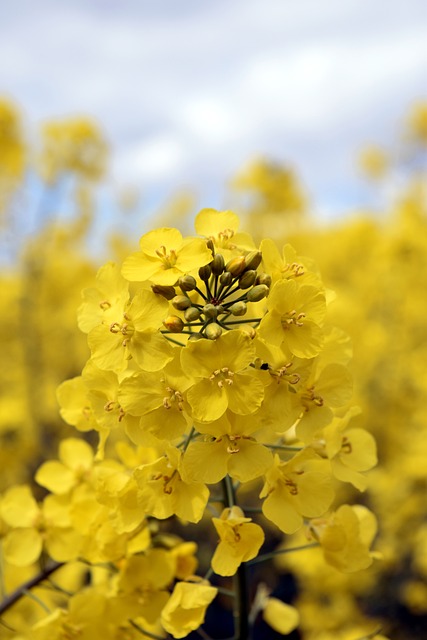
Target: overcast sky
{"points": [[188, 91]]}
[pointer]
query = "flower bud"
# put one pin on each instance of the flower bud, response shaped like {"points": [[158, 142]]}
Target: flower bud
{"points": [[181, 302], [205, 273], [236, 266], [166, 292], [191, 314], [257, 293], [217, 265], [213, 331], [253, 260], [226, 278], [210, 245], [195, 337], [173, 324], [238, 308], [187, 283], [247, 279], [210, 311], [263, 278]]}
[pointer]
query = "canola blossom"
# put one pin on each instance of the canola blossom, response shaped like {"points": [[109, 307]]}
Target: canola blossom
{"points": [[216, 379]]}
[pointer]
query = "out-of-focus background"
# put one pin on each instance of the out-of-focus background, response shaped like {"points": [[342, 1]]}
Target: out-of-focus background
{"points": [[309, 119], [188, 91]]}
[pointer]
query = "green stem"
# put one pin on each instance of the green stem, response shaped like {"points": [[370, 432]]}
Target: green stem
{"points": [[21, 591], [175, 341], [273, 554], [201, 293], [243, 321], [284, 447], [241, 602], [189, 438]]}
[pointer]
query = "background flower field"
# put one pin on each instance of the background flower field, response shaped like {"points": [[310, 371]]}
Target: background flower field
{"points": [[376, 267]]}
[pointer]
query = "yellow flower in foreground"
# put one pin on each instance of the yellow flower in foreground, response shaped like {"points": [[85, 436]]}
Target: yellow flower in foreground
{"points": [[240, 541], [221, 227], [165, 256], [300, 487], [185, 611], [133, 334], [294, 319], [227, 448], [163, 492], [223, 377], [351, 450], [346, 537]]}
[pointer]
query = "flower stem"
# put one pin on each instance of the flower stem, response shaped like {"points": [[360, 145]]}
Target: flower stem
{"points": [[21, 591], [273, 554], [241, 602]]}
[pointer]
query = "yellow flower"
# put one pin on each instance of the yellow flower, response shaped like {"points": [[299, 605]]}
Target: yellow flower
{"points": [[75, 407], [351, 450], [134, 334], [280, 616], [163, 492], [76, 461], [75, 145], [221, 227], [223, 378], [299, 488], [34, 527], [186, 608], [228, 448], [87, 618], [12, 150], [105, 302], [165, 256], [240, 541], [346, 537], [288, 265], [325, 388], [294, 318], [159, 397], [142, 582]]}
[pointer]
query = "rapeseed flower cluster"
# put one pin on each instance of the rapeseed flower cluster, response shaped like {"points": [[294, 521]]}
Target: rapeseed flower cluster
{"points": [[213, 367]]}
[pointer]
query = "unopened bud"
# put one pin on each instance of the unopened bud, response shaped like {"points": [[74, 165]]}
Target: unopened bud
{"points": [[191, 314], [166, 292], [173, 324], [247, 279], [210, 311], [205, 273], [226, 278], [238, 308], [263, 278], [257, 293], [195, 337], [217, 265], [213, 331], [181, 302], [253, 259], [236, 266], [187, 283], [210, 245]]}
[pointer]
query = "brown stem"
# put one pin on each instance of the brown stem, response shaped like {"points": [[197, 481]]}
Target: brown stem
{"points": [[16, 595]]}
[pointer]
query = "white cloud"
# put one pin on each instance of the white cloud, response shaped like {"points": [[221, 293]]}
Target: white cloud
{"points": [[188, 92]]}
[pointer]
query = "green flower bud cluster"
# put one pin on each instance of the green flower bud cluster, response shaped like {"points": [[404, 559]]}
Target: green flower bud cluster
{"points": [[224, 290]]}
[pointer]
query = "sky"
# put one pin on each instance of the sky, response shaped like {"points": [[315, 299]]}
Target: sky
{"points": [[189, 91]]}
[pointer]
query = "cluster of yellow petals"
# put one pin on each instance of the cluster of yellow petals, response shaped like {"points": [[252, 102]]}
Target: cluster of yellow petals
{"points": [[211, 361]]}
